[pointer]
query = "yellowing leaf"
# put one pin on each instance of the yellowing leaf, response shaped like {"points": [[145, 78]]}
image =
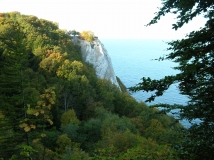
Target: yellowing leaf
{"points": [[46, 116], [49, 107], [36, 113], [43, 104], [48, 95], [43, 135], [42, 111], [22, 125], [36, 140], [39, 102], [42, 96], [33, 126], [27, 129], [51, 100], [37, 107], [30, 111], [50, 121]]}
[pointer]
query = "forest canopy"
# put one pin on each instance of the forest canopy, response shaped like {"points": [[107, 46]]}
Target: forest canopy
{"points": [[52, 105]]}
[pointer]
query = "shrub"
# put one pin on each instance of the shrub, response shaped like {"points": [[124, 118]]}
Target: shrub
{"points": [[87, 35]]}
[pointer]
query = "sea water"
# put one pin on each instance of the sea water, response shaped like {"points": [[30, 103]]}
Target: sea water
{"points": [[135, 59]]}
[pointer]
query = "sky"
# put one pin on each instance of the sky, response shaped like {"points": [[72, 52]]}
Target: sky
{"points": [[115, 19]]}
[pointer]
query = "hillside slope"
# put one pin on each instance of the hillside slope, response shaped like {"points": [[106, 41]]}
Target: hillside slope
{"points": [[53, 106]]}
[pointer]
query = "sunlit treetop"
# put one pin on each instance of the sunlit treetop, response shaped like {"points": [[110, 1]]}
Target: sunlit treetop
{"points": [[87, 35]]}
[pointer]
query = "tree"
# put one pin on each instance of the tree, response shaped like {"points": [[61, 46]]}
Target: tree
{"points": [[195, 57], [69, 116], [87, 35], [74, 33], [51, 63], [13, 61], [62, 142]]}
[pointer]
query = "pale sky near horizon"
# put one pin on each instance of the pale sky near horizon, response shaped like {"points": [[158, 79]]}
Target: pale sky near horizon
{"points": [[106, 18]]}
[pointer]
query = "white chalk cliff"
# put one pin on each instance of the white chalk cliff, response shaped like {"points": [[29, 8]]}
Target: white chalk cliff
{"points": [[95, 53]]}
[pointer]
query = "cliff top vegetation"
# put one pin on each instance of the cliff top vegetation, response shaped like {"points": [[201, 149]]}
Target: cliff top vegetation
{"points": [[87, 35]]}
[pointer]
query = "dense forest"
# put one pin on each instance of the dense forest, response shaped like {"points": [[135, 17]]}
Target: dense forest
{"points": [[52, 105]]}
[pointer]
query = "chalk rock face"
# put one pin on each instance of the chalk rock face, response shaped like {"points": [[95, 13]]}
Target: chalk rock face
{"points": [[95, 53]]}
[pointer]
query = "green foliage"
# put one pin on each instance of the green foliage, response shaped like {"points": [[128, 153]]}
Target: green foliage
{"points": [[27, 151], [102, 113], [52, 105], [51, 63], [155, 130], [62, 142], [50, 138], [70, 70], [68, 117], [90, 134], [194, 56], [72, 131], [13, 61], [149, 150], [138, 122], [106, 91], [75, 154], [125, 104], [121, 141], [74, 33], [122, 86], [116, 124], [43, 152]]}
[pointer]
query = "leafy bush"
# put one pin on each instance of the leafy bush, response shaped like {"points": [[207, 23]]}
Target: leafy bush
{"points": [[87, 35]]}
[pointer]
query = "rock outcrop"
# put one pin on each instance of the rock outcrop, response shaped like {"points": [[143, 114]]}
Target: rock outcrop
{"points": [[95, 53]]}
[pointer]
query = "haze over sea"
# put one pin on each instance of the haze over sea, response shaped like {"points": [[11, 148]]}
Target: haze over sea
{"points": [[133, 59]]}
